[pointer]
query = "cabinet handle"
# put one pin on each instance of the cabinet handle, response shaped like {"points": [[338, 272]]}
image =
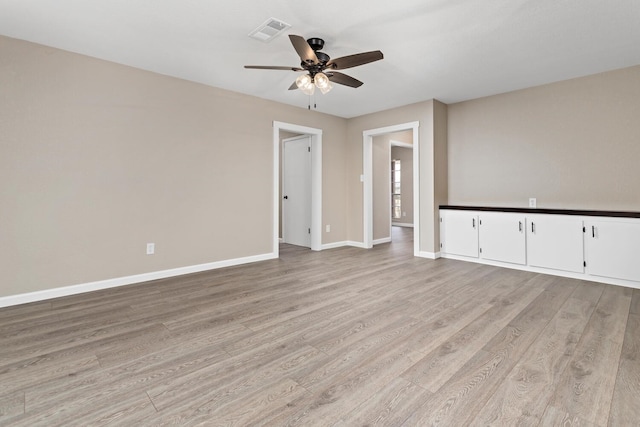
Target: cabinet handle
{"points": [[593, 231], [533, 227], [474, 222], [520, 226]]}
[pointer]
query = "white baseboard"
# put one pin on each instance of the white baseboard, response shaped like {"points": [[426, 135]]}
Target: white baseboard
{"points": [[343, 244], [551, 272], [429, 255], [280, 240], [383, 240], [356, 244], [402, 224], [334, 245], [128, 280]]}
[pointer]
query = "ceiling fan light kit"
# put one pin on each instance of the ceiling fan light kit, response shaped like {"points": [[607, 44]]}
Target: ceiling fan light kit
{"points": [[322, 82], [320, 67], [308, 84], [305, 84]]}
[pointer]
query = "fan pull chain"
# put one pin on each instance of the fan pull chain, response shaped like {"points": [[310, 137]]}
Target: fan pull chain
{"points": [[315, 106]]}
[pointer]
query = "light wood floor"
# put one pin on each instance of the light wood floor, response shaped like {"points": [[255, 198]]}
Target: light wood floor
{"points": [[343, 337]]}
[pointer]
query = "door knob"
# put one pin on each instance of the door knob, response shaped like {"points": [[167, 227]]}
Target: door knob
{"points": [[286, 197]]}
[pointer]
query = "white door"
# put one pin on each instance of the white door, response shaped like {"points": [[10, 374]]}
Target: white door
{"points": [[613, 249], [555, 241], [502, 237], [459, 233], [296, 191]]}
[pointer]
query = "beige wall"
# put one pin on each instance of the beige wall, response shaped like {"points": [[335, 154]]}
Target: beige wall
{"points": [[381, 185], [405, 155], [440, 178], [429, 115], [382, 181], [572, 144], [97, 159], [405, 137]]}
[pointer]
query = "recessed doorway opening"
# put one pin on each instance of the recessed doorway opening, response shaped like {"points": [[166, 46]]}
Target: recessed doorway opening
{"points": [[315, 136], [368, 178]]}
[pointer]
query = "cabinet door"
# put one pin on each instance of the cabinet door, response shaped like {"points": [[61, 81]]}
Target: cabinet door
{"points": [[555, 242], [459, 233], [613, 249], [502, 237]]}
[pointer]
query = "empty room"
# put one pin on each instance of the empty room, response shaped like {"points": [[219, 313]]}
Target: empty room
{"points": [[285, 213]]}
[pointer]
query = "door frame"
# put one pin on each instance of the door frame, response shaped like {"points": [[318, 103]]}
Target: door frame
{"points": [[367, 166], [316, 182]]}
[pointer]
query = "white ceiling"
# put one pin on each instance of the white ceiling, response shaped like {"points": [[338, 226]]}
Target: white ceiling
{"points": [[451, 50]]}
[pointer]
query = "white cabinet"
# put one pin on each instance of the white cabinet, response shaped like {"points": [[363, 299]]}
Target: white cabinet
{"points": [[502, 237], [612, 248], [575, 244], [556, 242], [459, 233]]}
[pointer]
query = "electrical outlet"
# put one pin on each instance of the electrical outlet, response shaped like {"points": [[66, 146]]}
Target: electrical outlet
{"points": [[404, 214], [151, 248], [328, 228], [532, 202]]}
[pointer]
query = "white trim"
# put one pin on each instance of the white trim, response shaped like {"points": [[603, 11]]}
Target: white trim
{"points": [[551, 272], [383, 240], [400, 144], [402, 224], [316, 182], [355, 244], [367, 170], [429, 255], [416, 190], [316, 192], [367, 188], [127, 280], [334, 245], [276, 193], [342, 245], [390, 195]]}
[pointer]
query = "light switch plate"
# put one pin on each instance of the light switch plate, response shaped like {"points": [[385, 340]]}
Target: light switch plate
{"points": [[532, 202]]}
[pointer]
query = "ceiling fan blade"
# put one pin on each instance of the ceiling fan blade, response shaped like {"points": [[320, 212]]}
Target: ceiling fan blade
{"points": [[294, 86], [354, 60], [269, 67], [304, 50], [343, 79]]}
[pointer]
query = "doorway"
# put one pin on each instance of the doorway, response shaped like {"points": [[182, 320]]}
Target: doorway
{"points": [[392, 186], [316, 182], [401, 196], [296, 191], [367, 137]]}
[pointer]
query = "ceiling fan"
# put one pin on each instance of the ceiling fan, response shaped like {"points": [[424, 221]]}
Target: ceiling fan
{"points": [[320, 67]]}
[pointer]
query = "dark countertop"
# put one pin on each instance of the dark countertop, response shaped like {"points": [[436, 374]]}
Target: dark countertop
{"points": [[620, 214]]}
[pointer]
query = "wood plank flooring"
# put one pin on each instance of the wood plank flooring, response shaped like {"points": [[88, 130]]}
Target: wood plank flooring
{"points": [[344, 337]]}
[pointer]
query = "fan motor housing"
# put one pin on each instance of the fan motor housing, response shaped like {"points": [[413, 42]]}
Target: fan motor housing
{"points": [[322, 57], [316, 43]]}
